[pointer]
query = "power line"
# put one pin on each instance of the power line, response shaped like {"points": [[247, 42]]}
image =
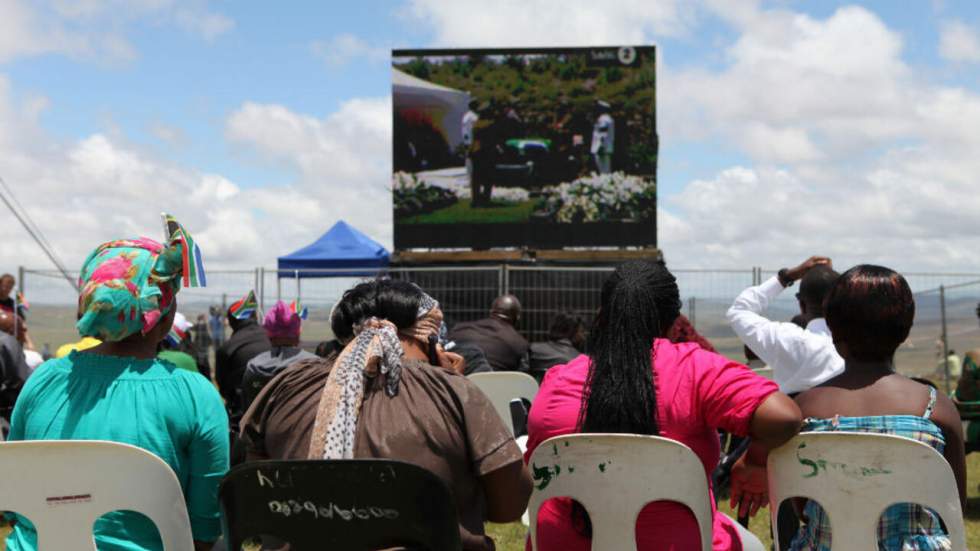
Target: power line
{"points": [[34, 232], [27, 216]]}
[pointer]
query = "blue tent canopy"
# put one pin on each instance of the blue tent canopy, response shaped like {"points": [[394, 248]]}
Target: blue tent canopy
{"points": [[341, 248]]}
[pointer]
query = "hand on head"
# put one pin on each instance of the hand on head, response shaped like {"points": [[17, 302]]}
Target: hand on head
{"points": [[798, 272]]}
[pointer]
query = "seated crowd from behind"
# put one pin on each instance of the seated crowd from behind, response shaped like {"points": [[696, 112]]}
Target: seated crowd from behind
{"points": [[678, 391], [496, 335], [13, 364], [800, 357], [283, 327], [384, 390], [388, 394], [566, 341], [128, 302], [869, 311], [248, 339]]}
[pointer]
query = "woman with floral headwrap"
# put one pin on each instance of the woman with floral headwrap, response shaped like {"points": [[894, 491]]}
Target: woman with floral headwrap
{"points": [[120, 391], [380, 397]]}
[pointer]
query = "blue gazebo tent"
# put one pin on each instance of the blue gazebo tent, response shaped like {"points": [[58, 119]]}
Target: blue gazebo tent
{"points": [[341, 248]]}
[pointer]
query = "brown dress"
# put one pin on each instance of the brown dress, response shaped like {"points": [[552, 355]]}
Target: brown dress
{"points": [[439, 420]]}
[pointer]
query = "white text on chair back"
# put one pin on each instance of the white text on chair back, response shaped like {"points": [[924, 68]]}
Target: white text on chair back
{"points": [[613, 476], [502, 387], [64, 486], [856, 476]]}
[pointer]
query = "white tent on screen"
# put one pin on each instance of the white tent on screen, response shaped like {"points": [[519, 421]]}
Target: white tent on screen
{"points": [[442, 106]]}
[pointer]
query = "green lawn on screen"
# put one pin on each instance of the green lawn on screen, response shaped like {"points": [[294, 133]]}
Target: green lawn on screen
{"points": [[463, 212]]}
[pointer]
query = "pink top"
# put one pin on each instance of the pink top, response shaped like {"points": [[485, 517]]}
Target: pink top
{"points": [[697, 393]]}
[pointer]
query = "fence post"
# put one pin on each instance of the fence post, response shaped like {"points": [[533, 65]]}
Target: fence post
{"points": [[261, 288], [942, 313], [504, 285], [20, 280], [299, 293], [691, 311], [278, 286]]}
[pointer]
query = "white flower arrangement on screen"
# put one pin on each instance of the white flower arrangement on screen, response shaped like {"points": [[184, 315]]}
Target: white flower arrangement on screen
{"points": [[499, 194], [598, 197]]}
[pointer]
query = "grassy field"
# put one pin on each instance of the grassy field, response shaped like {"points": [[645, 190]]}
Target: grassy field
{"points": [[463, 212], [510, 537]]}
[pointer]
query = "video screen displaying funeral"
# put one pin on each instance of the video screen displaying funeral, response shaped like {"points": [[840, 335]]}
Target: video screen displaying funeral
{"points": [[539, 148]]}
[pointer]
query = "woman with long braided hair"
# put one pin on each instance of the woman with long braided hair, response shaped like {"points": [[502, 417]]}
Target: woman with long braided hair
{"points": [[635, 381]]}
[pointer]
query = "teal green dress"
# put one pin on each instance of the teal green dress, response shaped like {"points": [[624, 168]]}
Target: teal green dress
{"points": [[173, 413]]}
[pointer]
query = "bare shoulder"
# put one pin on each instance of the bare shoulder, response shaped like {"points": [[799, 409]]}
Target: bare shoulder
{"points": [[814, 402]]}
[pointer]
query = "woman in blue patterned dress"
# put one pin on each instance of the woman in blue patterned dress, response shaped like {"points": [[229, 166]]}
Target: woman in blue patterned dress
{"points": [[869, 312]]}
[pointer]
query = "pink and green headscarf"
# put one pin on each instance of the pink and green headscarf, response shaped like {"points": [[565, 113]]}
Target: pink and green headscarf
{"points": [[128, 285]]}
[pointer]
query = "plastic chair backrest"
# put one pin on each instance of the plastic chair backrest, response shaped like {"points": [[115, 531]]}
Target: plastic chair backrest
{"points": [[614, 476], [344, 504], [502, 387], [64, 486], [856, 476]]}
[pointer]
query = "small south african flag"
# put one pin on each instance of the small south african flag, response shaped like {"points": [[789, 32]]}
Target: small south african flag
{"points": [[193, 268], [22, 302], [244, 307], [303, 312]]}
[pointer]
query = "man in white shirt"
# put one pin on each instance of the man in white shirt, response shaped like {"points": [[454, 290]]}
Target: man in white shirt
{"points": [[468, 122], [800, 358], [603, 138]]}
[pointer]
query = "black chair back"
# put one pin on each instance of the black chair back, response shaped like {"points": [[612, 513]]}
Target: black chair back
{"points": [[358, 504]]}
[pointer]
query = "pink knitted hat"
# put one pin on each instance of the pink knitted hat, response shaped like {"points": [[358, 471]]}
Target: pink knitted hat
{"points": [[281, 321]]}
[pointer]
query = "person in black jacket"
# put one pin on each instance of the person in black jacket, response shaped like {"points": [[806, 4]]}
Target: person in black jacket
{"points": [[504, 348], [566, 340], [283, 327], [247, 341], [13, 366]]}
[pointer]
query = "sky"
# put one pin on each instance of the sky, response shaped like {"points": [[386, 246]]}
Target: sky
{"points": [[786, 128]]}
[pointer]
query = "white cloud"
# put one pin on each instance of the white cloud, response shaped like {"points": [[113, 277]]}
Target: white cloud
{"points": [[206, 24], [959, 42], [851, 153], [346, 48], [477, 23], [343, 161], [95, 29], [170, 135], [83, 192]]}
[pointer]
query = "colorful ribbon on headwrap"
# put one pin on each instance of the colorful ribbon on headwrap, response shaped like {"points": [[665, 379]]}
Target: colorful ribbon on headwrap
{"points": [[128, 285], [375, 349]]}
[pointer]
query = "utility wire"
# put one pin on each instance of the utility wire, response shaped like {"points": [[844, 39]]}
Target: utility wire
{"points": [[35, 233], [27, 216]]}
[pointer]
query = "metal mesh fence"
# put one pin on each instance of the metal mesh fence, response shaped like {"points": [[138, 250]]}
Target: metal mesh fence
{"points": [[466, 294]]}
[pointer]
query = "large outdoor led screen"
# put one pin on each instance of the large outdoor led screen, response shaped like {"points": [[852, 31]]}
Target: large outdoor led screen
{"points": [[539, 148]]}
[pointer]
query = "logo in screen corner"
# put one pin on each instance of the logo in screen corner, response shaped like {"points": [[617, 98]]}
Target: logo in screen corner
{"points": [[627, 55]]}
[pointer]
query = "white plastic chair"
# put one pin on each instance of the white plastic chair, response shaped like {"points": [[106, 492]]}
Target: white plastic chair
{"points": [[856, 476], [614, 476], [502, 387], [64, 486]]}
